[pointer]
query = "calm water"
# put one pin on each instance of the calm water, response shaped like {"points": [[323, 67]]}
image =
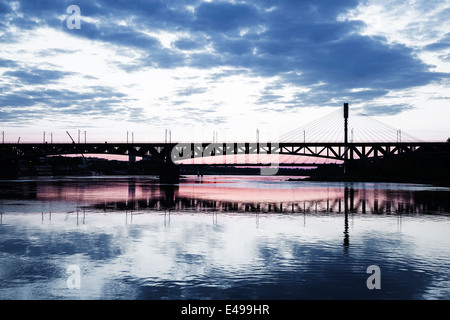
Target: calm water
{"points": [[224, 237]]}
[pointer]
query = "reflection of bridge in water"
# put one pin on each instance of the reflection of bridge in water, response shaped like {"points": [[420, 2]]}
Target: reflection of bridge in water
{"points": [[350, 201], [230, 194], [346, 201]]}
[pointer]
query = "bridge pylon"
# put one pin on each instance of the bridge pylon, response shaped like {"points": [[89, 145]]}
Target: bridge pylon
{"points": [[346, 123], [345, 137]]}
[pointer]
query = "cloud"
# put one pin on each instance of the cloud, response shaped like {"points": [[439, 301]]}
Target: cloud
{"points": [[371, 110], [118, 35], [55, 52], [442, 44], [224, 16], [186, 92], [7, 63], [36, 76], [304, 37], [304, 44], [359, 61], [22, 106], [188, 44]]}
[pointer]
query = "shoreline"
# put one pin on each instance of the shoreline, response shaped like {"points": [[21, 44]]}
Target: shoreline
{"points": [[375, 179], [293, 178]]}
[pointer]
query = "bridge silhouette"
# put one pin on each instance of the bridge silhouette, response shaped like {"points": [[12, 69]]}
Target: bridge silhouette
{"points": [[329, 138]]}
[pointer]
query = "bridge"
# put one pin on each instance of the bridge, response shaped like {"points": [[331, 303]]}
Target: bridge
{"points": [[177, 152], [339, 146]]}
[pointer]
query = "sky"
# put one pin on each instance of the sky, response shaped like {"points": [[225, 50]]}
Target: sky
{"points": [[227, 68]]}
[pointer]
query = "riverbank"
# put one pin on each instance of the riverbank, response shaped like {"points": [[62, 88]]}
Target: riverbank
{"points": [[437, 183]]}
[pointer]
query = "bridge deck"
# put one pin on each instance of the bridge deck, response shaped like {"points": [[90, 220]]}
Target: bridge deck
{"points": [[183, 151]]}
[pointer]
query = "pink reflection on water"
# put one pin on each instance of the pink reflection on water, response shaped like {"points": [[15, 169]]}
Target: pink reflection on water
{"points": [[233, 189], [254, 190], [93, 191]]}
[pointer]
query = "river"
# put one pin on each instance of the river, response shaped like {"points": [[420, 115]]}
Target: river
{"points": [[222, 237]]}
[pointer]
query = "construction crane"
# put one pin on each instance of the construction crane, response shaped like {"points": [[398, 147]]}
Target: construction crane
{"points": [[73, 141]]}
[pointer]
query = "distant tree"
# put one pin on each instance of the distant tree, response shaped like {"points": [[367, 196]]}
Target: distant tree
{"points": [[448, 140]]}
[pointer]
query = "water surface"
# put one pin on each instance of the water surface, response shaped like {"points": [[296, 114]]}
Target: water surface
{"points": [[222, 237]]}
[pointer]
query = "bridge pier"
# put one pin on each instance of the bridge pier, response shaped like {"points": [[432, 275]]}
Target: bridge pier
{"points": [[169, 173], [9, 169]]}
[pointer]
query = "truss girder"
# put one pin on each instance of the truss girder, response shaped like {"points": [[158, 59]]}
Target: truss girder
{"points": [[179, 151]]}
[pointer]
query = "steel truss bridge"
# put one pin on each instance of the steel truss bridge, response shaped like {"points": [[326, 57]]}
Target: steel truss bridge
{"points": [[183, 151]]}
